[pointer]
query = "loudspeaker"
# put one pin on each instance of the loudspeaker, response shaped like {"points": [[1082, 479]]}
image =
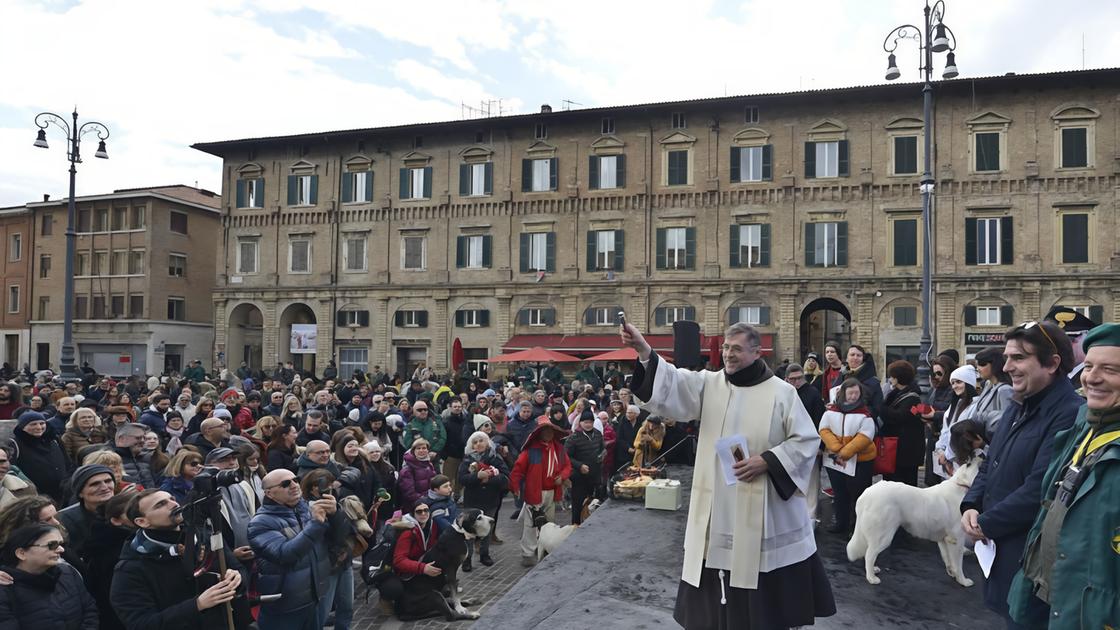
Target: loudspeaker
{"points": [[686, 344]]}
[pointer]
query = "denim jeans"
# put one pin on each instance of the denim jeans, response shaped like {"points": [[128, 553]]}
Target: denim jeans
{"points": [[340, 593], [306, 618]]}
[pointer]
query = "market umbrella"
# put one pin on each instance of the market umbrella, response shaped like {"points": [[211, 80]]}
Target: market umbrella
{"points": [[534, 355], [456, 354], [622, 354]]}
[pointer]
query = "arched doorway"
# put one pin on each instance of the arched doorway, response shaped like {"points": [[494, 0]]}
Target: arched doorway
{"points": [[245, 337], [824, 320], [298, 341]]}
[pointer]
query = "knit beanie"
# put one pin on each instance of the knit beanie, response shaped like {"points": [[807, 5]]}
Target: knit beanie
{"points": [[965, 374], [28, 417], [83, 474], [480, 420]]}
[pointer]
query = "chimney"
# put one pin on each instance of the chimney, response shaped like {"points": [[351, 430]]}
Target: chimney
{"points": [[546, 109], [46, 197]]}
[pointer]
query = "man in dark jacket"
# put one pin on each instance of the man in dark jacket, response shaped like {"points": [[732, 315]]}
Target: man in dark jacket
{"points": [[317, 455], [153, 590], [585, 449], [810, 396], [455, 419], [128, 442], [313, 429], [154, 416], [1007, 492]]}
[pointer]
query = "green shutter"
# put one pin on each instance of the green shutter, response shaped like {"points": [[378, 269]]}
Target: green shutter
{"points": [[589, 316], [1006, 314], [906, 242], [363, 318], [810, 159], [620, 171], [970, 241], [735, 259], [733, 315], [406, 182], [369, 187], [484, 318], [660, 256], [553, 174], [592, 244], [523, 317], [464, 180], [842, 159], [340, 318], [398, 318], [487, 250], [460, 252], [842, 243], [488, 179], [1007, 241], [422, 319], [764, 245], [810, 244], [550, 252], [690, 248], [1075, 145], [427, 182], [525, 252], [768, 162], [736, 160], [1096, 313], [292, 198], [970, 316], [690, 313], [1075, 238], [240, 193], [260, 193], [347, 187], [314, 189], [659, 316], [619, 247], [526, 175], [549, 317], [459, 315], [764, 316], [593, 172]]}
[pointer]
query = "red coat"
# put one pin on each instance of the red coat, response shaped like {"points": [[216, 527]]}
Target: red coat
{"points": [[410, 547], [530, 473]]}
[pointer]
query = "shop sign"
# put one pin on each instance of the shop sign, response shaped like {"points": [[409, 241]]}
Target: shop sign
{"points": [[984, 339]]}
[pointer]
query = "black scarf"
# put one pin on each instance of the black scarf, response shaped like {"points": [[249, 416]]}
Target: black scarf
{"points": [[751, 375], [1098, 419]]}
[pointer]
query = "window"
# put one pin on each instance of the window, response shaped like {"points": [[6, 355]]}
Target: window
{"points": [[81, 263], [667, 315], [536, 316], [13, 298], [473, 252], [606, 172], [250, 193], [136, 306], [46, 226], [678, 120], [303, 190], [753, 315], [540, 131], [120, 219], [44, 306], [351, 359], [45, 266], [987, 151], [116, 306], [1075, 237], [601, 316], [176, 309], [411, 319], [905, 155], [85, 223], [179, 222], [100, 263], [136, 263], [417, 142], [826, 244], [247, 251], [987, 316], [357, 187], [826, 159], [750, 245], [677, 174], [538, 175], [15, 249], [472, 318], [416, 183], [138, 217], [81, 307], [750, 114], [538, 252], [604, 250], [118, 262], [354, 252], [751, 164], [177, 265], [1075, 147], [101, 220], [676, 248], [476, 180], [97, 310], [299, 255], [906, 316], [607, 126], [414, 252], [988, 241], [352, 318], [1094, 312], [905, 242]]}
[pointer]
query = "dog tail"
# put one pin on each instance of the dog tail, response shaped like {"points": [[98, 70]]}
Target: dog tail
{"points": [[857, 546]]}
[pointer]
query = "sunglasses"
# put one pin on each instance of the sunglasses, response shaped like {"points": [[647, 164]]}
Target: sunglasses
{"points": [[49, 546], [421, 511], [287, 483], [1030, 325], [937, 373]]}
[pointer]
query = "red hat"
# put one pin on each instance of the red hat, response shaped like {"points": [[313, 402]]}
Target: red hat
{"points": [[229, 393], [544, 423]]}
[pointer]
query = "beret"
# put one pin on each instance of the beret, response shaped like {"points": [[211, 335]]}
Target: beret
{"points": [[1103, 335]]}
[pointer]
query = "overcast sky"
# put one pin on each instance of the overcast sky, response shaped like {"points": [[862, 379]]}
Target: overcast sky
{"points": [[165, 74]]}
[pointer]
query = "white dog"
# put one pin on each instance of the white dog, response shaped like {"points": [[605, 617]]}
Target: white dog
{"points": [[930, 513], [549, 535]]}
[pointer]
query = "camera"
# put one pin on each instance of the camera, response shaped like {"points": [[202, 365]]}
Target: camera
{"points": [[208, 481]]}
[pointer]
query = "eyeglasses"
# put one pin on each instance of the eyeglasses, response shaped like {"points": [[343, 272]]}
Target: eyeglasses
{"points": [[1030, 325], [49, 546], [938, 373], [287, 483], [419, 409]]}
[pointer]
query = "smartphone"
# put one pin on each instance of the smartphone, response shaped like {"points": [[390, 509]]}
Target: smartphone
{"points": [[622, 319], [737, 453], [324, 487]]}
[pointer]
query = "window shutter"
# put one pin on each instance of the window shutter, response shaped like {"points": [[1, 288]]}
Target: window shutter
{"points": [[340, 318], [405, 184], [314, 189], [459, 318], [659, 316], [842, 243], [1006, 314], [842, 159], [369, 186], [735, 260], [260, 193], [526, 175], [363, 318], [347, 187], [764, 316], [550, 252], [690, 313], [464, 180], [768, 162], [589, 316], [764, 245], [525, 252], [620, 171], [592, 242], [810, 244], [733, 316], [736, 161], [487, 249], [398, 318], [422, 318], [970, 241], [523, 317], [1096, 313], [660, 248], [619, 249], [593, 172], [970, 316], [484, 318], [690, 248], [488, 179], [810, 159], [1007, 241], [240, 193], [549, 317], [553, 174], [460, 252], [427, 182], [291, 190]]}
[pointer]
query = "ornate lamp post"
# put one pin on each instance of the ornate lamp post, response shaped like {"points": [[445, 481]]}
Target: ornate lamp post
{"points": [[74, 134], [933, 37]]}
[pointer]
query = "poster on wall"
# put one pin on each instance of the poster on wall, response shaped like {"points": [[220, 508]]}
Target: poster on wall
{"points": [[303, 338]]}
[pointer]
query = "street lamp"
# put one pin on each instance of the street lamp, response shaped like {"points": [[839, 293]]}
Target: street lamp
{"points": [[934, 36], [74, 134]]}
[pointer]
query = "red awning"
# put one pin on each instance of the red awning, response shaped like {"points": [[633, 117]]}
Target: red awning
{"points": [[588, 345]]}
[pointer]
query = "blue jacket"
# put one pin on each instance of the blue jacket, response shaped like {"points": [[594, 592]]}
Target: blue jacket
{"points": [[443, 510], [291, 549], [153, 419], [1008, 489]]}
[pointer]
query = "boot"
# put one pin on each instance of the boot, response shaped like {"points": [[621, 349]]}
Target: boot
{"points": [[486, 560], [494, 537], [467, 566]]}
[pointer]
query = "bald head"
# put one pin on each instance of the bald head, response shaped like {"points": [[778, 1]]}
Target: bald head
{"points": [[210, 424], [281, 486], [277, 476], [318, 451]]}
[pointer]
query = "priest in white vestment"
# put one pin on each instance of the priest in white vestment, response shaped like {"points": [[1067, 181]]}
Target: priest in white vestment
{"points": [[750, 559]]}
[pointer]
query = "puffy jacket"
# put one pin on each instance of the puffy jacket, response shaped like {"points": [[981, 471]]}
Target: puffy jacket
{"points": [[73, 440], [586, 449], [411, 546], [292, 557], [414, 480], [442, 509], [137, 468], [453, 428], [849, 434], [57, 600], [41, 459], [153, 419], [530, 473], [484, 496], [304, 466], [431, 430]]}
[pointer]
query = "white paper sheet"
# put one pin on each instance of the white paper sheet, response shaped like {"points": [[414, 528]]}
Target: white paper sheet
{"points": [[985, 555], [727, 459], [849, 468]]}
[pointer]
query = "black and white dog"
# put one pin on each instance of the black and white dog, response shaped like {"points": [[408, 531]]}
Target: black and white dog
{"points": [[427, 596]]}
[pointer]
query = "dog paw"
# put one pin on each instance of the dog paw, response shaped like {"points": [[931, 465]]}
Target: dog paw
{"points": [[877, 570], [965, 582], [473, 615], [873, 580]]}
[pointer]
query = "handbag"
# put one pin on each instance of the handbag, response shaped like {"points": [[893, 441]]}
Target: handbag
{"points": [[887, 457]]}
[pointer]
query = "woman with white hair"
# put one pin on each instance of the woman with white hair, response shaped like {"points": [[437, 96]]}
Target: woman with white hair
{"points": [[484, 476]]}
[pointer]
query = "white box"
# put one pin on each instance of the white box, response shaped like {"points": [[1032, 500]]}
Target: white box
{"points": [[663, 494]]}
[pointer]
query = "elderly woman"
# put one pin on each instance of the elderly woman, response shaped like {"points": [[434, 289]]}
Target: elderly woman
{"points": [[484, 476], [46, 592], [12, 487], [114, 463], [40, 456], [82, 429], [416, 474]]}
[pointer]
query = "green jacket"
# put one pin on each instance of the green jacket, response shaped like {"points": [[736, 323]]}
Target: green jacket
{"points": [[431, 430], [195, 373], [1085, 583], [553, 374], [589, 377]]}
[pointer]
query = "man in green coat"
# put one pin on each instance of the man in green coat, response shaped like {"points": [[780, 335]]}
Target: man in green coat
{"points": [[426, 425], [587, 376], [1072, 557], [195, 372], [525, 376], [553, 374]]}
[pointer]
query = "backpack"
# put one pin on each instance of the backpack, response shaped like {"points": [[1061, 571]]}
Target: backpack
{"points": [[377, 561]]}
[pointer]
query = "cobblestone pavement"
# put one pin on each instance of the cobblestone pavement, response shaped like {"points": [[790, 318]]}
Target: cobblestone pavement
{"points": [[483, 585]]}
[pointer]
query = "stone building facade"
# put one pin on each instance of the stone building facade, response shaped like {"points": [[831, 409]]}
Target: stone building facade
{"points": [[798, 212]]}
